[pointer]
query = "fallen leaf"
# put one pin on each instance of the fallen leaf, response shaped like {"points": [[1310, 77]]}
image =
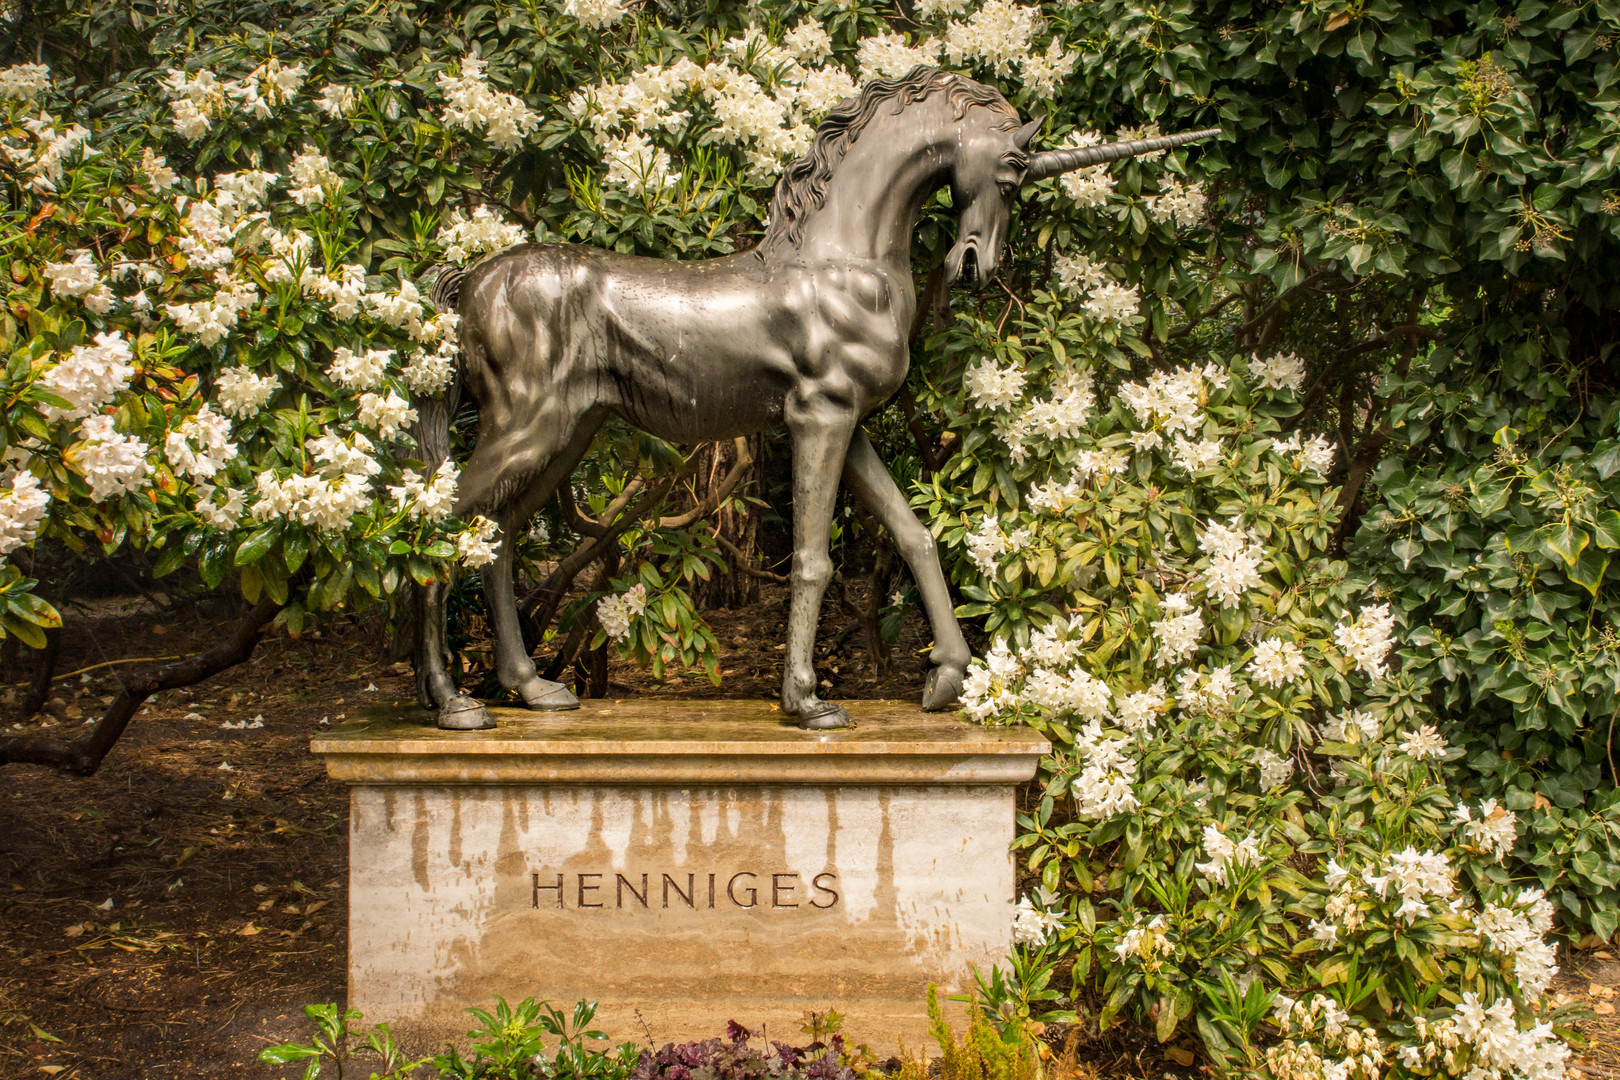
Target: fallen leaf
{"points": [[1604, 954], [73, 931], [1178, 1055], [1603, 1008], [1542, 803], [51, 1070], [248, 931], [316, 906]]}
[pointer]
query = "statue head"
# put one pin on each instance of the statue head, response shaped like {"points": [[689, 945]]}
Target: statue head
{"points": [[992, 163]]}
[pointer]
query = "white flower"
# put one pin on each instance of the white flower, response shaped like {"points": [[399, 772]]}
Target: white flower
{"points": [[595, 13], [1225, 856], [428, 373], [1351, 726], [471, 104], [1501, 1049], [1494, 831], [985, 544], [1137, 712], [482, 234], [1425, 743], [1417, 878], [22, 508], [1284, 371], [1177, 202], [615, 612], [1078, 274], [1196, 456], [23, 82], [74, 278], [1112, 303], [632, 160], [200, 446], [222, 516], [1521, 936], [335, 100], [1277, 662], [808, 42], [1203, 692], [1178, 632], [1033, 925], [88, 377], [988, 689], [998, 35], [111, 462], [242, 393], [312, 178], [359, 371], [1234, 562], [474, 547], [1103, 788], [158, 174], [1366, 639], [432, 500], [993, 387], [1274, 768], [385, 414], [888, 55], [1044, 71], [1325, 931], [1315, 456], [1168, 400]]}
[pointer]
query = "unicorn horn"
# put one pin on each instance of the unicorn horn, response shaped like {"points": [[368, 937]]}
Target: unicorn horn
{"points": [[1053, 162]]}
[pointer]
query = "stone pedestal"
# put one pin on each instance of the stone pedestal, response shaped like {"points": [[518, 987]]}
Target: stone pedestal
{"points": [[684, 863]]}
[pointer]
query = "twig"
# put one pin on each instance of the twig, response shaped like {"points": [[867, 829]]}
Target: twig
{"points": [[107, 663], [745, 566]]}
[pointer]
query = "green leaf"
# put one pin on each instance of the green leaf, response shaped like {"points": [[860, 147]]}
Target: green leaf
{"points": [[1566, 542]]}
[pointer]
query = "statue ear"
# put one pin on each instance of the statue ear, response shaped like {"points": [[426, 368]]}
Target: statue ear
{"points": [[1027, 132]]}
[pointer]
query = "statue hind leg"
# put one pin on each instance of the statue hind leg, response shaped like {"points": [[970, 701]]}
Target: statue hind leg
{"points": [[532, 465], [870, 482]]}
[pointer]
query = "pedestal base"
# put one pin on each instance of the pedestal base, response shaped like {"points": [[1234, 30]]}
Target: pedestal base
{"points": [[682, 864]]}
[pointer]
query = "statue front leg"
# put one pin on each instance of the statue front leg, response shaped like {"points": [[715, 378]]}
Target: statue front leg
{"points": [[870, 481], [821, 433], [434, 686]]}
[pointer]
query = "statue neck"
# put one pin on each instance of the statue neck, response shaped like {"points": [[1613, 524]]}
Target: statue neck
{"points": [[877, 190]]}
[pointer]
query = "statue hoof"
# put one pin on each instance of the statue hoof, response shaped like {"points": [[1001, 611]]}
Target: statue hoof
{"points": [[543, 695], [942, 688], [462, 713], [825, 716]]}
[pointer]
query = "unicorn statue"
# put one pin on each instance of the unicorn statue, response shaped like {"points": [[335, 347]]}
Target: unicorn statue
{"points": [[808, 330]]}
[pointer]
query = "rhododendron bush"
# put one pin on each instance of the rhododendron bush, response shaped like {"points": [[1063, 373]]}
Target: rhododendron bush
{"points": [[1271, 818]]}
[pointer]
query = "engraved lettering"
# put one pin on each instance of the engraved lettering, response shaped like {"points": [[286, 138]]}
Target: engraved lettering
{"points": [[816, 882], [776, 889], [711, 890], [583, 887], [691, 887], [539, 888], [622, 885], [731, 890]]}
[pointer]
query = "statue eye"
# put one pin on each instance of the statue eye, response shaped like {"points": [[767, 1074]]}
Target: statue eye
{"points": [[1008, 188]]}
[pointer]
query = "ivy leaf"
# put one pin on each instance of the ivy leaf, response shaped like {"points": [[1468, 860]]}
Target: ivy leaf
{"points": [[1566, 542]]}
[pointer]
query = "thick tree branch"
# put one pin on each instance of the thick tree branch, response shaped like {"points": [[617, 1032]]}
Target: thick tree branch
{"points": [[718, 493], [1213, 310], [83, 755]]}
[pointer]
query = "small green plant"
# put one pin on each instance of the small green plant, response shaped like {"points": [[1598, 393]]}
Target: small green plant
{"points": [[986, 1051], [509, 1043], [331, 1043]]}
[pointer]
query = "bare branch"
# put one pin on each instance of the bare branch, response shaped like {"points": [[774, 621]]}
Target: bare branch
{"points": [[83, 755]]}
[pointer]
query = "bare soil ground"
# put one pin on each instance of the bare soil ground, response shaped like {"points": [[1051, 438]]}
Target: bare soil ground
{"points": [[171, 915]]}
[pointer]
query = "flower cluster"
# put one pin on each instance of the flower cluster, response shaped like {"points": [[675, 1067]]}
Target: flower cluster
{"points": [[472, 105], [465, 238], [614, 612]]}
